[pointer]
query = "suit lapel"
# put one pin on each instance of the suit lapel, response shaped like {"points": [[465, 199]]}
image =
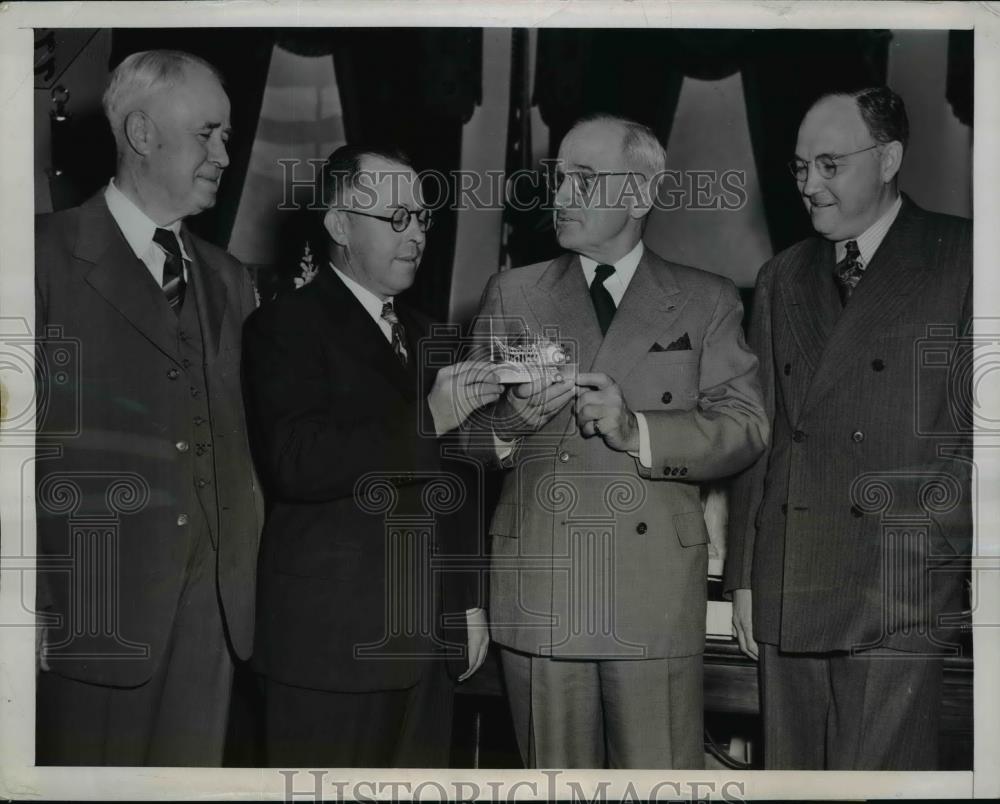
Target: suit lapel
{"points": [[363, 340], [209, 292], [894, 273], [650, 306], [122, 279], [811, 303], [564, 302]]}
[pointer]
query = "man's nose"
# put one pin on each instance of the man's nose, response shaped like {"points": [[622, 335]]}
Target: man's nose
{"points": [[218, 155], [814, 182], [565, 192]]}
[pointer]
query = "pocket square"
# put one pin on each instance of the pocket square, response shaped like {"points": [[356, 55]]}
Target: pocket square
{"points": [[681, 344]]}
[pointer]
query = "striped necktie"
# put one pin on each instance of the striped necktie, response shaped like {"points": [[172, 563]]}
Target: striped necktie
{"points": [[398, 334], [173, 268]]}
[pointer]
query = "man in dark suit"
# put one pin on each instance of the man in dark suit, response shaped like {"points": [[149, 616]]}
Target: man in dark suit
{"points": [[149, 513], [599, 556], [350, 419], [847, 536]]}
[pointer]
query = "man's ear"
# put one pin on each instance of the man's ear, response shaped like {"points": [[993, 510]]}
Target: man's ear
{"points": [[139, 132], [335, 223], [892, 159], [640, 195]]}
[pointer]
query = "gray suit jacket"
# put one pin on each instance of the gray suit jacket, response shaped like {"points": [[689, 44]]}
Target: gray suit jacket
{"points": [[593, 556], [116, 411], [850, 528]]}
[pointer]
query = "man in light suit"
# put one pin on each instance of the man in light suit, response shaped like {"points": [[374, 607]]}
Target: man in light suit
{"points": [[351, 417], [599, 558], [149, 513], [847, 536]]}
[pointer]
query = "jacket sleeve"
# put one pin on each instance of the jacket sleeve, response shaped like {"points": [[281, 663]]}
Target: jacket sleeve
{"points": [[311, 449], [748, 488], [728, 428]]}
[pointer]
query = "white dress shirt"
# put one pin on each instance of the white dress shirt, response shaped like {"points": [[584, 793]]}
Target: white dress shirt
{"points": [[138, 230], [871, 238]]}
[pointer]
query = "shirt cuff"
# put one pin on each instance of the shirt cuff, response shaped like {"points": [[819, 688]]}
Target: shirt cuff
{"points": [[503, 448], [645, 453]]}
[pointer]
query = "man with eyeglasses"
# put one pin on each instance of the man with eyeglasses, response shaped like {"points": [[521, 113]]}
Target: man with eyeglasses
{"points": [[352, 422], [847, 536], [599, 554]]}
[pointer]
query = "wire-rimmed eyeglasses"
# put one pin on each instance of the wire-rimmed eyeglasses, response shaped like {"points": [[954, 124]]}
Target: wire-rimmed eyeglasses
{"points": [[400, 218], [826, 164]]}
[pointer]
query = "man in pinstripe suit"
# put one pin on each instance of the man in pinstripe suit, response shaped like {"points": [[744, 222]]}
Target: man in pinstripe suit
{"points": [[863, 490]]}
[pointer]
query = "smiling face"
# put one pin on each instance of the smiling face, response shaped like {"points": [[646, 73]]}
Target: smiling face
{"points": [[862, 189], [371, 252], [600, 228], [188, 128]]}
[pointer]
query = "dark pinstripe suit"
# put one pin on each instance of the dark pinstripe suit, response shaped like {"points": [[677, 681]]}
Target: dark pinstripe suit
{"points": [[864, 485]]}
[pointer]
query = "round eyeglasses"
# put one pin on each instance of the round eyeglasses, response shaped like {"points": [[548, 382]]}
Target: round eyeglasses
{"points": [[826, 164], [400, 218]]}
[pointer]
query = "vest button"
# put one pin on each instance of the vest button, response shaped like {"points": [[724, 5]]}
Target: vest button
{"points": [[857, 436], [878, 364], [202, 482], [182, 520], [640, 528], [564, 457], [788, 369], [856, 512], [173, 374], [798, 436], [182, 446]]}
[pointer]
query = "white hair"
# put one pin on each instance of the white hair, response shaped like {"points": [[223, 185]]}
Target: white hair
{"points": [[641, 147], [142, 74]]}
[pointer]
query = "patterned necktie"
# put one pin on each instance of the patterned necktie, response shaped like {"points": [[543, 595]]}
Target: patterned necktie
{"points": [[398, 333], [604, 305], [173, 268], [849, 271]]}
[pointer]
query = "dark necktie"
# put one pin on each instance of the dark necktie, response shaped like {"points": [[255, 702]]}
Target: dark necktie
{"points": [[604, 305], [849, 271], [398, 333], [173, 268]]}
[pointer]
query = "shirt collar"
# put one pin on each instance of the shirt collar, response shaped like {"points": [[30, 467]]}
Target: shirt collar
{"points": [[372, 303], [624, 268], [871, 238], [135, 224]]}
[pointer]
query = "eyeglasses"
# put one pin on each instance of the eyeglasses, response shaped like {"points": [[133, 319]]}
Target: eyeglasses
{"points": [[826, 164], [400, 218], [583, 181]]}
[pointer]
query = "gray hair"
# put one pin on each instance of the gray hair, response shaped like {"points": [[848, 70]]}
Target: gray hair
{"points": [[142, 74], [641, 147]]}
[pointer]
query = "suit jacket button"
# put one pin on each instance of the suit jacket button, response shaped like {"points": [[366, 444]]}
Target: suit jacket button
{"points": [[857, 436], [784, 508], [182, 520], [173, 374], [564, 457], [640, 528], [798, 436], [684, 471], [182, 446], [878, 364], [856, 512], [666, 471], [667, 398], [788, 369]]}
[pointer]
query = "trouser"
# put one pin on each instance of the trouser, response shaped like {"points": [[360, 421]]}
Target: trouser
{"points": [[639, 713], [407, 728], [836, 711], [177, 718]]}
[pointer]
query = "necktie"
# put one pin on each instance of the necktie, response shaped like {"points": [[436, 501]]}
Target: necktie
{"points": [[398, 333], [849, 271], [604, 305], [173, 268]]}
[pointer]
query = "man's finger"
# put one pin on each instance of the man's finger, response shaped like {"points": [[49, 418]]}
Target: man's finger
{"points": [[596, 379]]}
